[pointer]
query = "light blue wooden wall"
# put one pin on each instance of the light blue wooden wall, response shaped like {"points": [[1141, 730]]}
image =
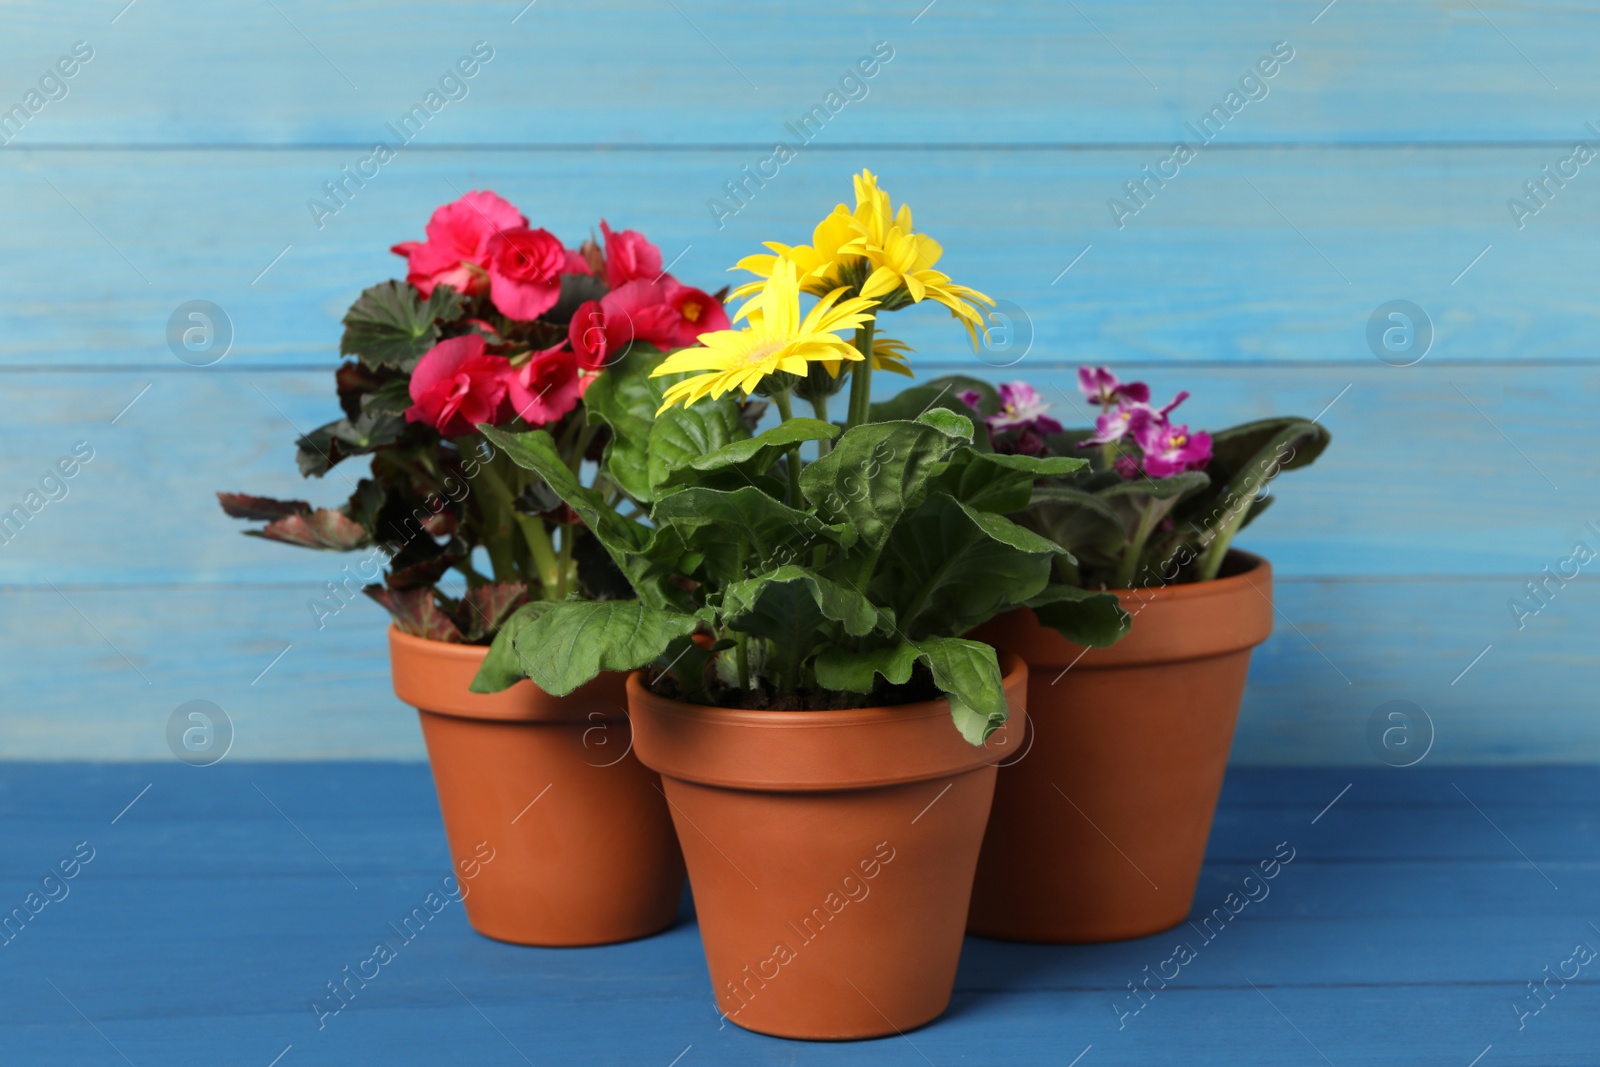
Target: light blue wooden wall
{"points": [[1377, 167]]}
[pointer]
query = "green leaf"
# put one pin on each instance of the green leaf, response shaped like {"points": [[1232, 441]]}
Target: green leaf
{"points": [[571, 642], [1244, 458], [318, 451], [683, 434], [939, 393], [948, 568], [501, 668], [841, 670], [1093, 620], [880, 471], [628, 541], [739, 531], [625, 398], [391, 325], [993, 481], [1079, 522], [790, 605], [968, 673], [751, 457]]}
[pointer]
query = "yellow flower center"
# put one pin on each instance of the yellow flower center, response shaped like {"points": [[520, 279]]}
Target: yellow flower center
{"points": [[761, 352], [691, 311], [1178, 440]]}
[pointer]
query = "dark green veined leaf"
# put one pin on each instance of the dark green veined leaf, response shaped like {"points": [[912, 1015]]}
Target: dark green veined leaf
{"points": [[571, 642], [1078, 521], [391, 325], [751, 457], [992, 481], [683, 434], [739, 531], [790, 605], [880, 471], [625, 398], [948, 568], [319, 450], [1244, 458]]}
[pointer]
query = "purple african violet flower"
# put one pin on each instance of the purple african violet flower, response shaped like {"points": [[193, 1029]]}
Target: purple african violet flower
{"points": [[1021, 407], [971, 397], [1103, 388], [1170, 449]]}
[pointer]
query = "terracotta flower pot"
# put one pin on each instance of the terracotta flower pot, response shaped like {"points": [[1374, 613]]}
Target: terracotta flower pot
{"points": [[558, 834], [830, 852], [1100, 823]]}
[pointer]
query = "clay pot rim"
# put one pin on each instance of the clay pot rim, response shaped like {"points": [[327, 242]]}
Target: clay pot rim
{"points": [[1199, 590], [943, 756], [524, 702]]}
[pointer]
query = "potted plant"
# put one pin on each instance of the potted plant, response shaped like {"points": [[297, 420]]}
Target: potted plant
{"points": [[1099, 828], [797, 628], [500, 324]]}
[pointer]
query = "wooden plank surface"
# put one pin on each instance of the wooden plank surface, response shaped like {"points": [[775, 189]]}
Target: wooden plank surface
{"points": [[205, 925], [1257, 255], [632, 71]]}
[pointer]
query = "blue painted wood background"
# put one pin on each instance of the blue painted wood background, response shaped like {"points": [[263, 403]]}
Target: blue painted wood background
{"points": [[1378, 166]]}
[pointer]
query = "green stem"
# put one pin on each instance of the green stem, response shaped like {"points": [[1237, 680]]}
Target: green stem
{"points": [[819, 407], [1217, 550], [1135, 549], [742, 658], [543, 552], [861, 377], [498, 518], [785, 413], [568, 575]]}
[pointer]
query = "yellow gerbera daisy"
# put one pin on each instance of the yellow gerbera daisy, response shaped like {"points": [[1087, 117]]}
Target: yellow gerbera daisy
{"points": [[775, 339], [887, 354], [818, 261]]}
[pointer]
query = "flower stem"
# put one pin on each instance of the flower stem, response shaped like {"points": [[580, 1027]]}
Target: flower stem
{"points": [[861, 377], [785, 413], [1135, 549], [819, 407]]}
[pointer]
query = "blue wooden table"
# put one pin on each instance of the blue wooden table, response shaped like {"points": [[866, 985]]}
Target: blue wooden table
{"points": [[210, 907]]}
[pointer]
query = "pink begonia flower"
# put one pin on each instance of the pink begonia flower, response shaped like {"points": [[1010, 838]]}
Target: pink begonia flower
{"points": [[525, 268], [629, 257], [1103, 388], [456, 252], [546, 387], [457, 385], [666, 314]]}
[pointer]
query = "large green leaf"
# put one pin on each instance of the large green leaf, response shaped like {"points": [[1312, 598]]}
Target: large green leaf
{"points": [[968, 673], [739, 531], [501, 668], [840, 669], [1093, 620], [571, 642], [993, 481], [391, 325], [948, 567], [751, 457], [625, 398], [880, 471], [1245, 458], [790, 604], [943, 392], [683, 434], [1079, 522], [628, 541]]}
